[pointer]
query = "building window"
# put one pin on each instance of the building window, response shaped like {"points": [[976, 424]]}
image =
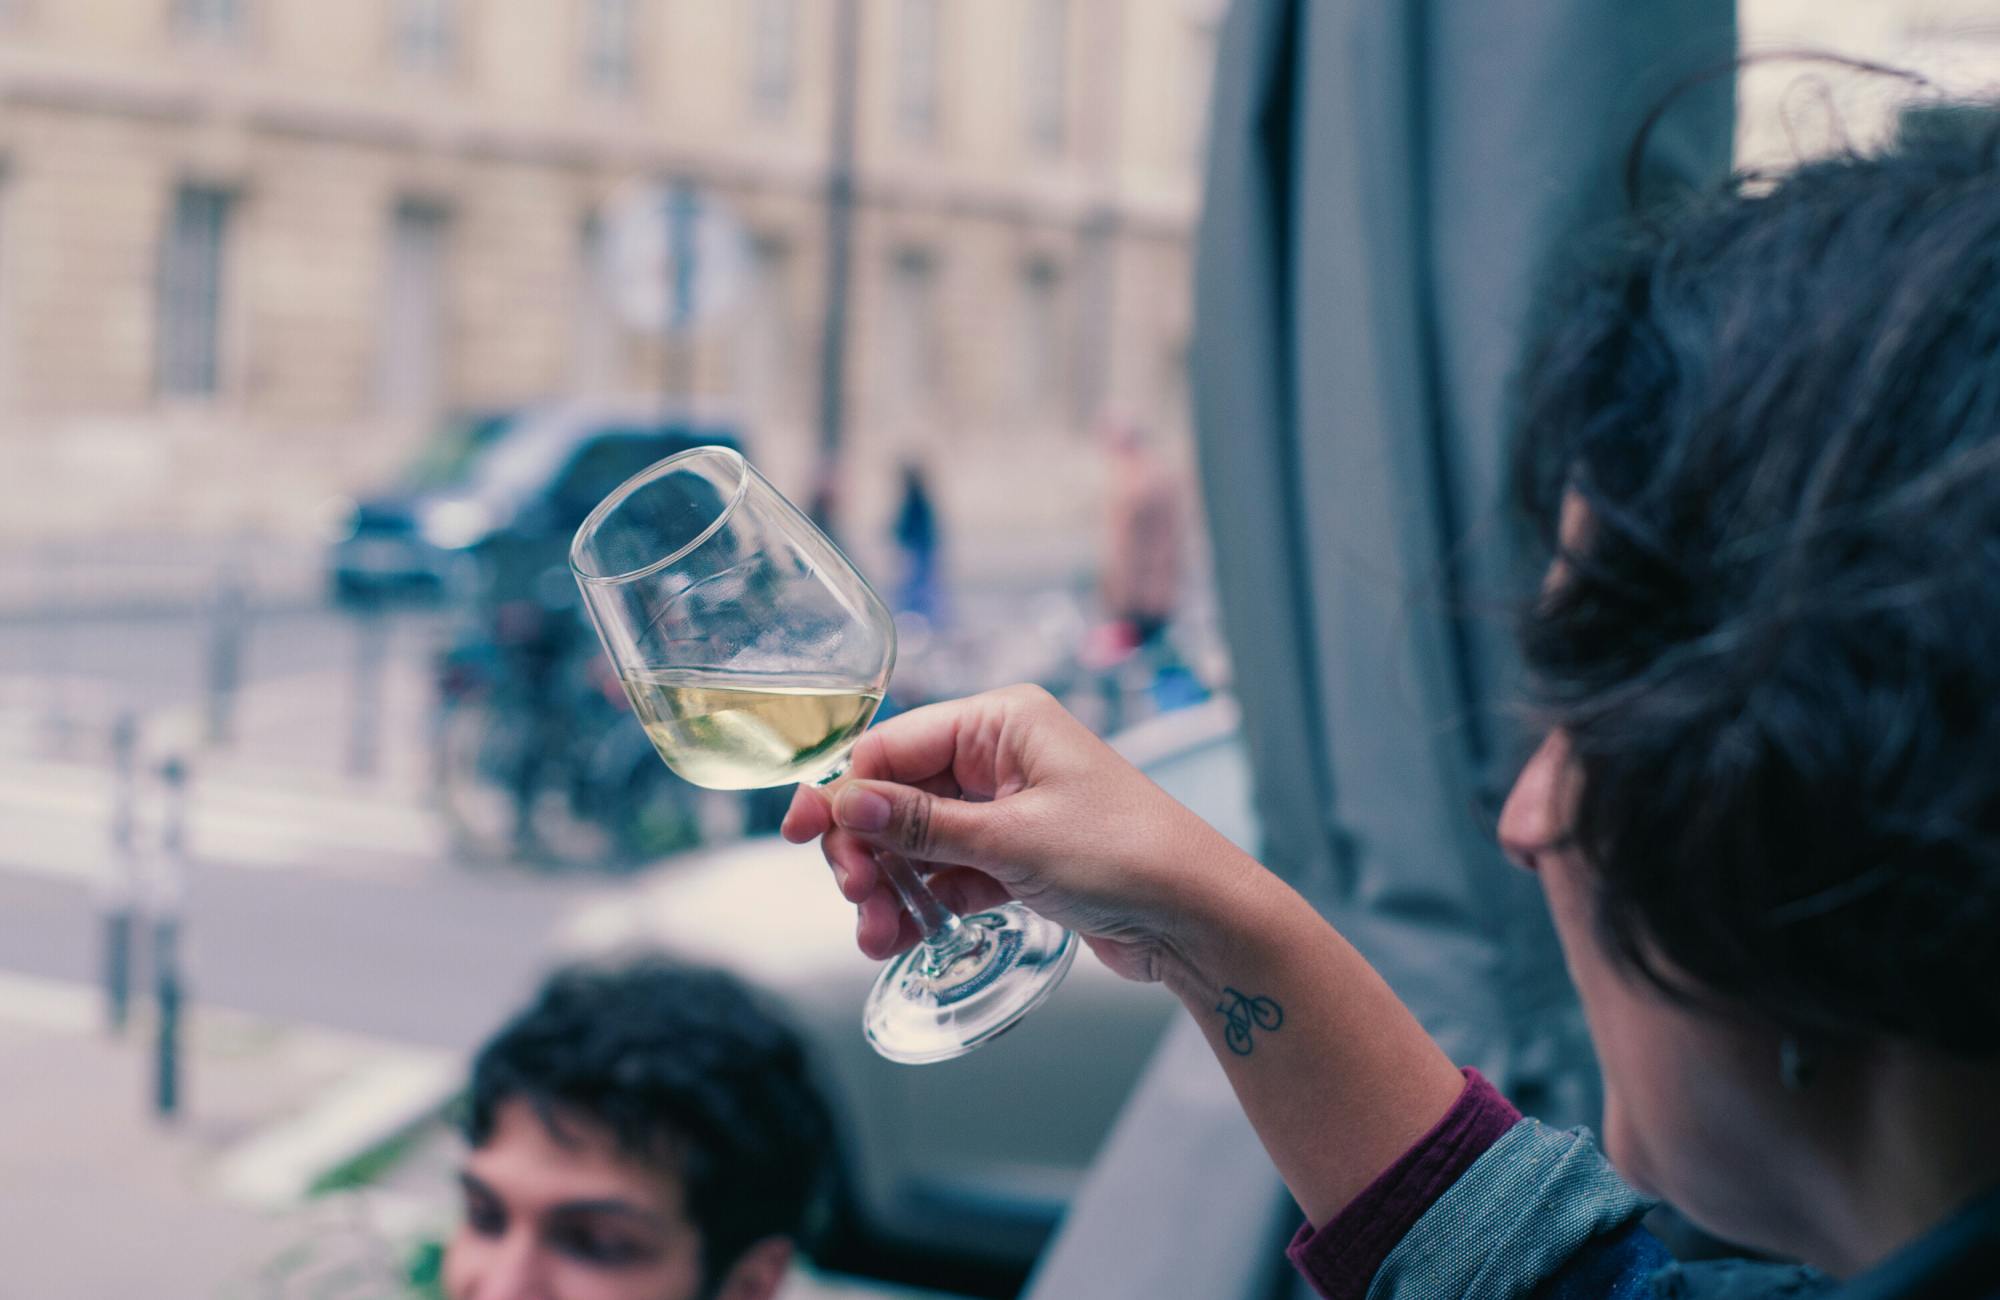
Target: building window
{"points": [[765, 379], [424, 35], [1047, 73], [411, 364], [611, 27], [210, 18], [910, 338], [1040, 351], [773, 56], [594, 363], [917, 38], [192, 255]]}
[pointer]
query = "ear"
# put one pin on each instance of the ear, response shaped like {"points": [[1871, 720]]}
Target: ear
{"points": [[759, 1272]]}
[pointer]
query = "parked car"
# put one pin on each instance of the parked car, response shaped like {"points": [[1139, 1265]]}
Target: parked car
{"points": [[967, 1160], [494, 481]]}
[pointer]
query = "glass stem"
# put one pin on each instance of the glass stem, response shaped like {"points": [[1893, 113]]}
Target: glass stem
{"points": [[946, 938]]}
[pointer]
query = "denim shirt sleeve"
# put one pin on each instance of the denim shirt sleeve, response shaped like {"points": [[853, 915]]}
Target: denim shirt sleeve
{"points": [[1516, 1219]]}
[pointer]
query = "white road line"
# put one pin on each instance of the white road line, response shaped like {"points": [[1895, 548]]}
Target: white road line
{"points": [[55, 821]]}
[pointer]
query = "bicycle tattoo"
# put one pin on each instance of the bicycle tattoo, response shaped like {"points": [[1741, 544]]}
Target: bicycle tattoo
{"points": [[1245, 1013]]}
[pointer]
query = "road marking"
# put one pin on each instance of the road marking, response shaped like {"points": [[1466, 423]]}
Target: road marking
{"points": [[58, 815]]}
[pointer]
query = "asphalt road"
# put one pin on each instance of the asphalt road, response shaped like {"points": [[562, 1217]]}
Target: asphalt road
{"points": [[402, 945], [435, 959], [163, 660]]}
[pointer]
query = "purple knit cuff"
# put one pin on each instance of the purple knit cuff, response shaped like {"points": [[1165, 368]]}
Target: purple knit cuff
{"points": [[1341, 1258]]}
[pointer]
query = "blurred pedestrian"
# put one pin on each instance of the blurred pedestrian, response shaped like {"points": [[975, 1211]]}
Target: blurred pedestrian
{"points": [[638, 1132], [1145, 538], [917, 535]]}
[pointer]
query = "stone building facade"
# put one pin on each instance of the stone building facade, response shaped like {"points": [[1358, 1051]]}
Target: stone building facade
{"points": [[251, 249]]}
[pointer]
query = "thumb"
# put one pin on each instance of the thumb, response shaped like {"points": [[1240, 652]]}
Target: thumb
{"points": [[918, 825]]}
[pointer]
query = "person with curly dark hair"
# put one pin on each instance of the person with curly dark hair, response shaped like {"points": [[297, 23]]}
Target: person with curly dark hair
{"points": [[642, 1131], [1761, 438]]}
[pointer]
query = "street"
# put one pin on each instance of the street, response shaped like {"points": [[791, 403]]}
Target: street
{"points": [[332, 950], [311, 894], [433, 960]]}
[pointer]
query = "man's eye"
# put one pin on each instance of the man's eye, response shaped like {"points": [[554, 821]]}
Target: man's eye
{"points": [[484, 1217], [599, 1247]]}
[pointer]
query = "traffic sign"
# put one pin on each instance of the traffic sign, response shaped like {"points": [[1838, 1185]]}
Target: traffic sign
{"points": [[673, 258]]}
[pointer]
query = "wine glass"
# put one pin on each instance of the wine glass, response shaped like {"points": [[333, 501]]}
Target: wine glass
{"points": [[755, 655]]}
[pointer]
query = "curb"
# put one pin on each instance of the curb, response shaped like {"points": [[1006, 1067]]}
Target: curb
{"points": [[283, 1165]]}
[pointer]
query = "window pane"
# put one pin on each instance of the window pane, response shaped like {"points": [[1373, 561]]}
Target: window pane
{"points": [[412, 357], [594, 362], [1047, 72], [772, 55], [916, 68], [209, 17], [611, 27], [190, 292], [910, 334], [764, 347], [424, 35], [1040, 349]]}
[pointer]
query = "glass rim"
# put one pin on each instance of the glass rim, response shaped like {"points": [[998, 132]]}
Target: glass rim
{"points": [[653, 472]]}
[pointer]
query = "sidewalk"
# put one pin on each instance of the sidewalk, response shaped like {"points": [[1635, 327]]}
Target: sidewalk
{"points": [[94, 577], [284, 791], [98, 1197]]}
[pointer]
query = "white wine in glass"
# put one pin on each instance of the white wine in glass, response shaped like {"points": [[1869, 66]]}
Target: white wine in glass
{"points": [[731, 732], [755, 655]]}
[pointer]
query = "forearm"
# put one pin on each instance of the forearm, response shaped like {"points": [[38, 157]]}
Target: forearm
{"points": [[1335, 1074]]}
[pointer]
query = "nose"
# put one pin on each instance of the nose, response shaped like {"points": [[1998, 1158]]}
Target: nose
{"points": [[1531, 821]]}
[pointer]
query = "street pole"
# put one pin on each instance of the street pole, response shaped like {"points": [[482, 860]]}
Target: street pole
{"points": [[840, 196], [225, 649], [121, 883], [167, 985], [365, 702]]}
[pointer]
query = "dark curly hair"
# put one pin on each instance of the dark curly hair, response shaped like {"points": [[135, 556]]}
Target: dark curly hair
{"points": [[1776, 650], [687, 1071]]}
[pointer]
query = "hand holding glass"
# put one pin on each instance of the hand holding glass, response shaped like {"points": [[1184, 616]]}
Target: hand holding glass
{"points": [[755, 655]]}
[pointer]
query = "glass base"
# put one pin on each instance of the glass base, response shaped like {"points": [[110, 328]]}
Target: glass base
{"points": [[917, 1013]]}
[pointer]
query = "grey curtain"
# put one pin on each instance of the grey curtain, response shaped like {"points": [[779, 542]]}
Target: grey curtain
{"points": [[1387, 183]]}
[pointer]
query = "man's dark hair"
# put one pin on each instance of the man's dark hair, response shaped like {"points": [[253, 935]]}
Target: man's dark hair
{"points": [[1776, 652], [689, 1073]]}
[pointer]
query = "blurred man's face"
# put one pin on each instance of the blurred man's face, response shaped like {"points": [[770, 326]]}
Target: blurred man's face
{"points": [[568, 1220]]}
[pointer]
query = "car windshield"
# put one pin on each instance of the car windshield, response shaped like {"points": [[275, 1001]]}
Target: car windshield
{"points": [[519, 463], [449, 458]]}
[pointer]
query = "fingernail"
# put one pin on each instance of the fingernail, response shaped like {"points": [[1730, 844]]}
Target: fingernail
{"points": [[840, 878], [862, 810]]}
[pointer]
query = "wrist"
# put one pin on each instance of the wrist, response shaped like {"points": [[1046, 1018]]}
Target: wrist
{"points": [[1226, 919]]}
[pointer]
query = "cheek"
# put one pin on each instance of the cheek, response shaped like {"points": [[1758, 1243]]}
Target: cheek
{"points": [[1647, 1101], [1671, 1084]]}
